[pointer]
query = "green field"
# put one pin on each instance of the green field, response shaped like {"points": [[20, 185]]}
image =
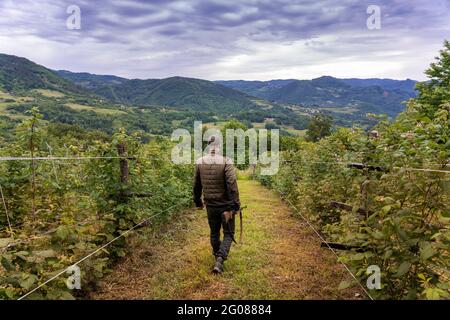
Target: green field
{"points": [[49, 93], [8, 100], [257, 125], [343, 110], [80, 107], [11, 114]]}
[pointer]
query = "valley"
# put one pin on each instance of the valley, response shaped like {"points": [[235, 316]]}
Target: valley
{"points": [[157, 106]]}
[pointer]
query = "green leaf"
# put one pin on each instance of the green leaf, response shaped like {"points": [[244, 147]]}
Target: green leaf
{"points": [[403, 268], [62, 232], [443, 286], [386, 209], [422, 277], [425, 119], [66, 296], [6, 264], [4, 242], [27, 281], [22, 255], [59, 294], [387, 254], [434, 293], [378, 235], [427, 251], [45, 253], [445, 213], [344, 285], [357, 256], [8, 292]]}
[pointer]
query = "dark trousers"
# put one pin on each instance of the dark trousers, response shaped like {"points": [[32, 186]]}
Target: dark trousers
{"points": [[216, 221]]}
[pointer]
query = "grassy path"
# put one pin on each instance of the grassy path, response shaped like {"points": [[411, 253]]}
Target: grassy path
{"points": [[280, 259]]}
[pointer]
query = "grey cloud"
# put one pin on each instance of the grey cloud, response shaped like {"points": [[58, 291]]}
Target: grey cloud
{"points": [[180, 37]]}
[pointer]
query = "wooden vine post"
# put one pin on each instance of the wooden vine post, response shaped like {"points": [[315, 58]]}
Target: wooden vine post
{"points": [[124, 171], [122, 192], [33, 170], [125, 194], [364, 196]]}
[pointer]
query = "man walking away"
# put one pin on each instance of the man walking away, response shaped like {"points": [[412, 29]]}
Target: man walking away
{"points": [[215, 176]]}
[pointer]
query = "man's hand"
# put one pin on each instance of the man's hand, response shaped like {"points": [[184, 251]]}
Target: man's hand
{"points": [[228, 215]]}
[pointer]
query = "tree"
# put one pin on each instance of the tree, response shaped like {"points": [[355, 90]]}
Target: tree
{"points": [[270, 126], [319, 127], [436, 92]]}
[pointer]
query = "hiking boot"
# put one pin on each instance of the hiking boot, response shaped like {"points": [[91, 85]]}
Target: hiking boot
{"points": [[218, 267]]}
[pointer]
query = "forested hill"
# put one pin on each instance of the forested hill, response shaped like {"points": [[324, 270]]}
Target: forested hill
{"points": [[193, 94], [178, 92], [157, 105], [211, 99], [366, 95], [345, 99], [19, 74], [407, 85], [89, 80], [103, 102]]}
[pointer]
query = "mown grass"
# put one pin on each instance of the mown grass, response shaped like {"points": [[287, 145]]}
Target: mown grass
{"points": [[279, 258], [8, 100], [80, 107], [297, 132], [49, 93]]}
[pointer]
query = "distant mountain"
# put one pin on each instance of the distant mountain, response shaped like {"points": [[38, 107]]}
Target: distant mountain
{"points": [[89, 80], [19, 74], [364, 95], [288, 102], [360, 95], [259, 89], [135, 102], [178, 92], [407, 85]]}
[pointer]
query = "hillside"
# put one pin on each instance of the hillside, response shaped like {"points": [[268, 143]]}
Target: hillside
{"points": [[347, 100], [179, 92], [20, 74], [407, 85], [198, 99], [107, 103], [89, 80], [158, 105], [25, 84], [362, 95]]}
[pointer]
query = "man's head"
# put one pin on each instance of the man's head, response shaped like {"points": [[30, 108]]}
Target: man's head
{"points": [[214, 145], [213, 141]]}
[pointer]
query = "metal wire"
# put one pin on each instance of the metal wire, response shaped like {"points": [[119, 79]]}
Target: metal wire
{"points": [[159, 158], [396, 168], [99, 249], [334, 252]]}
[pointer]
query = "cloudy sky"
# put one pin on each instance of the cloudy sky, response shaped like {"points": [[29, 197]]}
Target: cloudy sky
{"points": [[228, 39]]}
